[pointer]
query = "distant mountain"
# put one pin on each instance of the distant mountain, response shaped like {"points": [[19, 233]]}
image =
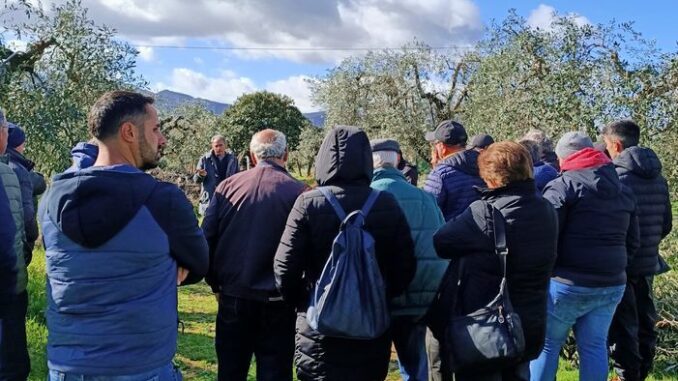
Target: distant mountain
{"points": [[167, 100]]}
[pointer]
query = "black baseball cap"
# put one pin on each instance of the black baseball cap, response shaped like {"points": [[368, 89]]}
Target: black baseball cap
{"points": [[448, 132], [480, 141]]}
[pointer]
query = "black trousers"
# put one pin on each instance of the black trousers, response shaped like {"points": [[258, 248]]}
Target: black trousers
{"points": [[263, 329], [632, 336], [519, 372], [14, 361]]}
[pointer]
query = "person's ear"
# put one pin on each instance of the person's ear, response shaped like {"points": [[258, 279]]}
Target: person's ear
{"points": [[618, 146], [253, 159], [286, 156], [128, 132]]}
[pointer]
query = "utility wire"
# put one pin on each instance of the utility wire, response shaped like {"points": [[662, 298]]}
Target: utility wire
{"points": [[309, 49]]}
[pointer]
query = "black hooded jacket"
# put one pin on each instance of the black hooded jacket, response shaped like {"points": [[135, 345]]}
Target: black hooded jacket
{"points": [[640, 169], [344, 165]]}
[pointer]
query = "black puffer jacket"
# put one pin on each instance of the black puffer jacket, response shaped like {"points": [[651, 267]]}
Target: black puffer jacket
{"points": [[639, 169], [344, 164], [531, 236]]}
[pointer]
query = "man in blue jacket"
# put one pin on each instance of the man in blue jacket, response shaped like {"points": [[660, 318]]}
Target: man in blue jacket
{"points": [[424, 218], [633, 338], [214, 167], [454, 178], [14, 360], [117, 244]]}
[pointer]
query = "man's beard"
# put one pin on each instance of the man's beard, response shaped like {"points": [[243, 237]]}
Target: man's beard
{"points": [[150, 159]]}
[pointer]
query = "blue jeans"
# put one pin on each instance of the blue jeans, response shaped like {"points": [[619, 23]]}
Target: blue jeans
{"points": [[165, 373], [590, 311], [409, 338]]}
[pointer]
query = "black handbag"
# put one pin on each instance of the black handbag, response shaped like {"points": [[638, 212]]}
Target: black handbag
{"points": [[491, 337]]}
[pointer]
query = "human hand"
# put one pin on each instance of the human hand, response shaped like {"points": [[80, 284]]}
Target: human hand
{"points": [[201, 172], [182, 273]]}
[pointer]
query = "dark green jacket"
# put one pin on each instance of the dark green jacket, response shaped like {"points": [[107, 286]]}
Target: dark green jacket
{"points": [[11, 184], [424, 218]]}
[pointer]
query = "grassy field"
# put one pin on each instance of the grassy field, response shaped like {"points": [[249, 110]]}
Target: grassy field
{"points": [[197, 309]]}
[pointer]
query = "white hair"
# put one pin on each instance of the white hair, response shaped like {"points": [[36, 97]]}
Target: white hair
{"points": [[268, 144], [218, 137], [385, 158]]}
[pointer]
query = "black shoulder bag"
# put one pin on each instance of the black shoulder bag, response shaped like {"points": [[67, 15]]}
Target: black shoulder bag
{"points": [[491, 337]]}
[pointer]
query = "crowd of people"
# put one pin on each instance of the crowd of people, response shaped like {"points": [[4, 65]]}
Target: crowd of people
{"points": [[561, 238]]}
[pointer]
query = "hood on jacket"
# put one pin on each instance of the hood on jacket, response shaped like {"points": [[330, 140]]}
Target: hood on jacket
{"points": [[586, 158], [19, 158], [640, 161], [91, 206], [344, 158], [602, 180], [464, 161], [84, 155]]}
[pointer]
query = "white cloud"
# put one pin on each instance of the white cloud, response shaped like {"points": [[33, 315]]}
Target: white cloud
{"points": [[228, 86], [295, 23], [544, 15], [296, 87], [225, 88], [17, 45], [146, 53], [198, 60]]}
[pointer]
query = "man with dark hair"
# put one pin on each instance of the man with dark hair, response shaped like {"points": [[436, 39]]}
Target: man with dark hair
{"points": [[117, 244], [632, 335]]}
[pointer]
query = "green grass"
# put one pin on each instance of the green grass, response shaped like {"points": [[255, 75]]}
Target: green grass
{"points": [[195, 355]]}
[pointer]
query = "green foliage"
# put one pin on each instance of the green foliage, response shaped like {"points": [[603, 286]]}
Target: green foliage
{"points": [[395, 94], [303, 157], [258, 111], [573, 77], [188, 130], [69, 63]]}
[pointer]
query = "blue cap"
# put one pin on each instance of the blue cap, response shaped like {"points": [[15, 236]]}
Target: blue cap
{"points": [[16, 137]]}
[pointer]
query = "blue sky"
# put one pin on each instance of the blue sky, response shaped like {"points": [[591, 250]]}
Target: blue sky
{"points": [[222, 75]]}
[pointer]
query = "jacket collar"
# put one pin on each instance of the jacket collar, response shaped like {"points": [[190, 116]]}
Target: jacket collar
{"points": [[271, 164], [388, 172], [516, 188], [14, 155]]}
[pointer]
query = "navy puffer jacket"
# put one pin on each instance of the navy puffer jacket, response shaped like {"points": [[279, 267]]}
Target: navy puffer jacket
{"points": [[640, 169], [597, 219], [453, 183]]}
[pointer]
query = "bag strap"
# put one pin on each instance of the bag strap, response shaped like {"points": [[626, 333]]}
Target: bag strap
{"points": [[500, 248], [370, 202], [334, 202]]}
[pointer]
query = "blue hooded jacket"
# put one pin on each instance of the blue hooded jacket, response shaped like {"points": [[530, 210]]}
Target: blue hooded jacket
{"points": [[114, 237], [453, 183], [84, 155]]}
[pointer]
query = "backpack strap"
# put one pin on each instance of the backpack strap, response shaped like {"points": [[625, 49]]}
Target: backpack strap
{"points": [[370, 202], [334, 202]]}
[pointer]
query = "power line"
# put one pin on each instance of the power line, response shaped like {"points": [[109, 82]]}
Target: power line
{"points": [[309, 49]]}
